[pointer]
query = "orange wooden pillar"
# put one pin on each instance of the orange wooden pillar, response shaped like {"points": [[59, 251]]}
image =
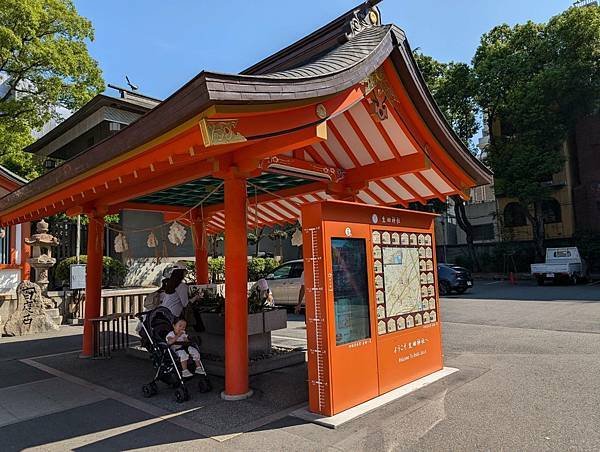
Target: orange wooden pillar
{"points": [[200, 249], [236, 281], [93, 279], [25, 252]]}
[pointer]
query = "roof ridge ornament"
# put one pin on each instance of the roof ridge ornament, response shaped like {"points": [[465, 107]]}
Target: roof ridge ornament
{"points": [[365, 16], [378, 92], [220, 131]]}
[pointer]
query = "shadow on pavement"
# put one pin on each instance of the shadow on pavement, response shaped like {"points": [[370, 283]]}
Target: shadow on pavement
{"points": [[103, 425], [12, 348], [274, 392]]}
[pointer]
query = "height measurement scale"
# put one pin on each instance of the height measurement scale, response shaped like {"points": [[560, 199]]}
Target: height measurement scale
{"points": [[316, 319], [371, 301]]}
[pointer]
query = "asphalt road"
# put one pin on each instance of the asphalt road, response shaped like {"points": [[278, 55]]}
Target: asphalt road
{"points": [[529, 365], [528, 360]]}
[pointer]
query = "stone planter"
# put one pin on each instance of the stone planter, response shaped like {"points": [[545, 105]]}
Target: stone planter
{"points": [[260, 326]]}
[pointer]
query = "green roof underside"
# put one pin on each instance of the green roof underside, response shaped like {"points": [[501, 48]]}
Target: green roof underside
{"points": [[192, 193]]}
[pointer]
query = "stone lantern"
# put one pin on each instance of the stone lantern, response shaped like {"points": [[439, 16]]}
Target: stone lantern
{"points": [[41, 254], [35, 312]]}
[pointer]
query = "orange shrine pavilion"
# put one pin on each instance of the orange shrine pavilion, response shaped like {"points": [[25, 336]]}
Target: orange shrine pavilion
{"points": [[342, 114]]}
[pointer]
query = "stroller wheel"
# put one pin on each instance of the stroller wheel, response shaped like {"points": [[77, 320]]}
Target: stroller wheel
{"points": [[181, 395], [149, 390], [204, 384]]}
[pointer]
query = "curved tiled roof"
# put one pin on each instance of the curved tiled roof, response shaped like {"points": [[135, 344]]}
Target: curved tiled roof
{"points": [[325, 63], [338, 59]]}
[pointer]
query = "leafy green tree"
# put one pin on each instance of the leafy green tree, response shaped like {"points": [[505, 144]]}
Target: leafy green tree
{"points": [[44, 65], [12, 143], [453, 87], [534, 82]]}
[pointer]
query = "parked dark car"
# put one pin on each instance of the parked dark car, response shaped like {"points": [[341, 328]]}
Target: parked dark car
{"points": [[452, 278]]}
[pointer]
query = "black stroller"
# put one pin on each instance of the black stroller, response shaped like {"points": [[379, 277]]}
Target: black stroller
{"points": [[155, 325]]}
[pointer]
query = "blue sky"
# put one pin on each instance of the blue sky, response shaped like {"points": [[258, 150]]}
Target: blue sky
{"points": [[162, 44]]}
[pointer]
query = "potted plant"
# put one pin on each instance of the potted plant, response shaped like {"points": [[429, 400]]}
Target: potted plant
{"points": [[210, 308]]}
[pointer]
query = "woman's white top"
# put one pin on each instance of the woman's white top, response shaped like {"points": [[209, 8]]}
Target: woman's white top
{"points": [[177, 300]]}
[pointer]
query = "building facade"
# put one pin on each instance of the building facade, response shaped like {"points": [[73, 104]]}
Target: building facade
{"points": [[13, 252], [586, 175]]}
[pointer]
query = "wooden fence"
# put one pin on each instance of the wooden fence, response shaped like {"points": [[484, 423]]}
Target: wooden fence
{"points": [[119, 301]]}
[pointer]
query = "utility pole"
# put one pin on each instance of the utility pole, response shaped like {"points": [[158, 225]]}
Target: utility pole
{"points": [[78, 244]]}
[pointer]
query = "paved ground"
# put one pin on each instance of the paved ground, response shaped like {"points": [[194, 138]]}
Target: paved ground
{"points": [[528, 359]]}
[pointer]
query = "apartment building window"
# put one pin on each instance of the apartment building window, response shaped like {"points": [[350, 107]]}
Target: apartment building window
{"points": [[551, 211], [482, 193], [514, 215], [478, 194], [114, 126]]}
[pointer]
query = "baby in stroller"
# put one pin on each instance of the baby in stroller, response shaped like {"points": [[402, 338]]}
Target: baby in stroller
{"points": [[183, 348], [156, 325]]}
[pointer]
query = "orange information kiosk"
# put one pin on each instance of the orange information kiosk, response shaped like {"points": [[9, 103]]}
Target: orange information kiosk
{"points": [[371, 301]]}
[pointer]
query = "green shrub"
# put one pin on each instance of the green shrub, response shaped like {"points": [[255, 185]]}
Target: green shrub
{"points": [[256, 268], [216, 268], [113, 271], [270, 265]]}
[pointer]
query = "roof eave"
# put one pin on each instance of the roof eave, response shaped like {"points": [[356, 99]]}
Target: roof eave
{"points": [[413, 80]]}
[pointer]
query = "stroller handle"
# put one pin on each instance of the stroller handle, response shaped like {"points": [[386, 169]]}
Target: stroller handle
{"points": [[139, 315]]}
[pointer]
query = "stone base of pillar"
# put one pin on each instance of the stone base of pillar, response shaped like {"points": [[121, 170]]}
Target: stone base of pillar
{"points": [[232, 398]]}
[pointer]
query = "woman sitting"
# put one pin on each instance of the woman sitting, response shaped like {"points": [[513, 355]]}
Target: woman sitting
{"points": [[155, 298], [176, 291]]}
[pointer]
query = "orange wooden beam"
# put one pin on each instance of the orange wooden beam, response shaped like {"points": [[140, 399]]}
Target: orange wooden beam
{"points": [[184, 143], [176, 176], [385, 188], [429, 185], [8, 184], [150, 207], [344, 145], [247, 158], [276, 120], [281, 194], [413, 193], [366, 143], [387, 168], [405, 112]]}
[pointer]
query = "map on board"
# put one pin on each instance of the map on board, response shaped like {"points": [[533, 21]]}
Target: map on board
{"points": [[402, 280]]}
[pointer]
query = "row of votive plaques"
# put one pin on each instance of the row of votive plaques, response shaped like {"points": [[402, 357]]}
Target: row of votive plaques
{"points": [[396, 238], [423, 305], [426, 265], [427, 278], [396, 325], [427, 291]]}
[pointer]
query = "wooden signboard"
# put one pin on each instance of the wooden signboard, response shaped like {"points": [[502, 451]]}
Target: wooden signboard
{"points": [[77, 276]]}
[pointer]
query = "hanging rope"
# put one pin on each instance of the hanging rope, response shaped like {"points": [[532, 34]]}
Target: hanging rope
{"points": [[160, 226], [272, 193], [188, 214]]}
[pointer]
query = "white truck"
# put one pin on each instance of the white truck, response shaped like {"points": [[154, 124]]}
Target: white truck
{"points": [[561, 264]]}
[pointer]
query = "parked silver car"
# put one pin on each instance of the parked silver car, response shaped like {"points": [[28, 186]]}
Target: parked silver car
{"points": [[285, 282]]}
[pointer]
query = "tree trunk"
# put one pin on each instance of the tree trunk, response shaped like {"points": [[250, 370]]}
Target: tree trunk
{"points": [[467, 227], [259, 236], [537, 228]]}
